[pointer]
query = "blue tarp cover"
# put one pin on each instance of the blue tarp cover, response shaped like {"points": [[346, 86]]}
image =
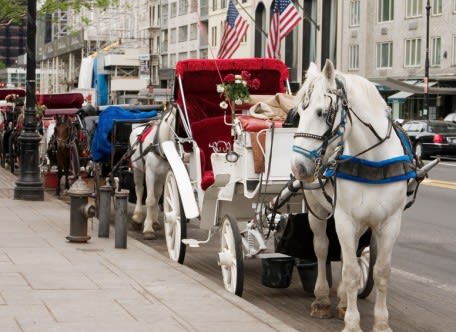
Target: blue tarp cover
{"points": [[101, 148]]}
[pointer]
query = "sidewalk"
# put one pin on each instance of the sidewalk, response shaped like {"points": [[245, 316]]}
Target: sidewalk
{"points": [[49, 284]]}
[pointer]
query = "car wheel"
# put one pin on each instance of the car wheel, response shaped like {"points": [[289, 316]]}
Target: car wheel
{"points": [[419, 151]]}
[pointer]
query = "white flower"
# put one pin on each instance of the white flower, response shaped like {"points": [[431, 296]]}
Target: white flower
{"points": [[244, 83], [220, 88], [223, 105], [238, 81], [237, 77], [238, 101]]}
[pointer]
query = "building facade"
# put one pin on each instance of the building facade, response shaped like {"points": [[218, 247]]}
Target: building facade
{"points": [[385, 41]]}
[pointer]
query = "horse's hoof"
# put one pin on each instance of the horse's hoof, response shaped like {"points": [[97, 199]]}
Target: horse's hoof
{"points": [[137, 218], [341, 313], [320, 310], [382, 328], [149, 236], [156, 226]]}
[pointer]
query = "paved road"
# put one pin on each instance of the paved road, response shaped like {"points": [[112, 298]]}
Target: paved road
{"points": [[422, 294]]}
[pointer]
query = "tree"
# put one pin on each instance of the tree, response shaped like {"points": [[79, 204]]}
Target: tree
{"points": [[14, 11]]}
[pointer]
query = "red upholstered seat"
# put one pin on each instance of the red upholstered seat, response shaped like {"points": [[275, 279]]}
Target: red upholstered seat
{"points": [[205, 132], [252, 124]]}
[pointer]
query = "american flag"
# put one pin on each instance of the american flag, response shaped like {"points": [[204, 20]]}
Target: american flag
{"points": [[235, 29], [285, 17]]}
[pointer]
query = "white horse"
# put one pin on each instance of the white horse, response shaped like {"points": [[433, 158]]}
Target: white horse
{"points": [[345, 128], [147, 161]]}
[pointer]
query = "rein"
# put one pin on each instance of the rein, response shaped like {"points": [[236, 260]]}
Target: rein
{"points": [[327, 171]]}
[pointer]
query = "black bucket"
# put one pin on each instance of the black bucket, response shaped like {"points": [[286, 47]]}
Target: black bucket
{"points": [[277, 271], [308, 271]]}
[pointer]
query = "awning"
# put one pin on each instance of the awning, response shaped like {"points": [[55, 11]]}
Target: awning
{"points": [[399, 97]]}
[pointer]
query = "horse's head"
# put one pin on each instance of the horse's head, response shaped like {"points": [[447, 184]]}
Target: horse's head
{"points": [[319, 102], [62, 134]]}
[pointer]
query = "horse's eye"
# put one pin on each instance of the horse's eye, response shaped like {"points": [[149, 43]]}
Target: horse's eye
{"points": [[319, 112]]}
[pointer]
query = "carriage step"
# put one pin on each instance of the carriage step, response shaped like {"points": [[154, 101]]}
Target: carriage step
{"points": [[191, 242]]}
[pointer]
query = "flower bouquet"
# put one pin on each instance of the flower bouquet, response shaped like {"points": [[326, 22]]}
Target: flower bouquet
{"points": [[235, 89]]}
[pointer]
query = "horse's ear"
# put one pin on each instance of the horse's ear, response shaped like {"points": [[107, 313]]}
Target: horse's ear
{"points": [[312, 70], [329, 71]]}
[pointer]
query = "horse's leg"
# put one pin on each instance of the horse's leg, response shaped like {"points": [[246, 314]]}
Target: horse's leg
{"points": [[59, 177], [351, 273], [321, 306], [138, 178], [156, 169], [386, 237]]}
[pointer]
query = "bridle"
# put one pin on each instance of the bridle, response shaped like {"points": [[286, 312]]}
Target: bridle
{"points": [[325, 171], [65, 142], [332, 133]]}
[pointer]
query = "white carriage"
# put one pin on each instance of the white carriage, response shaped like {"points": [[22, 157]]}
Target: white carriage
{"points": [[225, 169]]}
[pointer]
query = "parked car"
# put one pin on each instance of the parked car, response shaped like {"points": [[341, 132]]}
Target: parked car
{"points": [[432, 137], [450, 117]]}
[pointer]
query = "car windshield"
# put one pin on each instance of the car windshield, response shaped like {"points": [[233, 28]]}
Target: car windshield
{"points": [[443, 128]]}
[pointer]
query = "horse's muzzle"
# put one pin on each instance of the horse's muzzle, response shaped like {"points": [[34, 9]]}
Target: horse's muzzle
{"points": [[302, 168]]}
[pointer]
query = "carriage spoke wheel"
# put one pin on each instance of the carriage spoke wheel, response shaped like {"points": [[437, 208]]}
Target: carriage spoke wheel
{"points": [[230, 258], [366, 262], [175, 221]]}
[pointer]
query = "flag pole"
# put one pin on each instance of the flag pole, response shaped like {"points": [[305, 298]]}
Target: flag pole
{"points": [[252, 19]]}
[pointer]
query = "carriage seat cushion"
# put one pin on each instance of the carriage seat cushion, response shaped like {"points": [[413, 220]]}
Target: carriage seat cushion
{"points": [[252, 124], [205, 132]]}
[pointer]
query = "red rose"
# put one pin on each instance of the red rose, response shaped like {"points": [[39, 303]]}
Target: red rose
{"points": [[255, 83], [245, 75], [229, 78]]}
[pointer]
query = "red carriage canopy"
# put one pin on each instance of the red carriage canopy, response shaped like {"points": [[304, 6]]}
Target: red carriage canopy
{"points": [[61, 100], [6, 92], [201, 76]]}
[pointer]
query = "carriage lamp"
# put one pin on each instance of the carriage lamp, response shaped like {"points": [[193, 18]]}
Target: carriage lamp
{"points": [[80, 211]]}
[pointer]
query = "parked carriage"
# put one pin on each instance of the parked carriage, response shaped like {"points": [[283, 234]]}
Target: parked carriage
{"points": [[227, 168], [110, 149], [12, 102]]}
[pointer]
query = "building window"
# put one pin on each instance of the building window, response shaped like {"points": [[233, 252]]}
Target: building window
{"points": [[214, 36], [183, 33], [164, 18], [223, 4], [183, 7], [214, 5], [172, 36], [173, 9], [414, 8], [437, 7], [436, 51], [385, 10], [164, 61], [182, 56], [193, 55], [354, 12], [193, 31], [172, 60], [385, 55], [353, 56], [453, 62], [412, 52]]}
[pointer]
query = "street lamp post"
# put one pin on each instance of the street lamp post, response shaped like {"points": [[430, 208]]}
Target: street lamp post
{"points": [[29, 185], [426, 64]]}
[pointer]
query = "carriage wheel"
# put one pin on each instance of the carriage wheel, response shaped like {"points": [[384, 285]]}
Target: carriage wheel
{"points": [[366, 262], [174, 220], [230, 258]]}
